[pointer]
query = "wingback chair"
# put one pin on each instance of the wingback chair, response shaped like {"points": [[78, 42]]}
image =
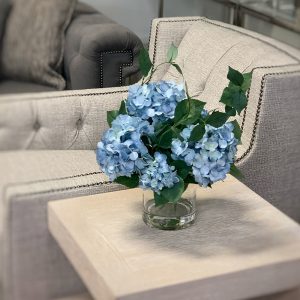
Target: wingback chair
{"points": [[67, 126]]}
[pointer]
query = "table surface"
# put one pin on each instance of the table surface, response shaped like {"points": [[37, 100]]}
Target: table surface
{"points": [[239, 247]]}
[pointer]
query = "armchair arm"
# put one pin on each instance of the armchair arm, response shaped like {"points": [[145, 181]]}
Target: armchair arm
{"points": [[99, 52], [270, 156], [29, 257], [56, 120]]}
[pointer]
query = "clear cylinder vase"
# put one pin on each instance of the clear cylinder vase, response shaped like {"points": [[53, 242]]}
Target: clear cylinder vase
{"points": [[170, 216]]}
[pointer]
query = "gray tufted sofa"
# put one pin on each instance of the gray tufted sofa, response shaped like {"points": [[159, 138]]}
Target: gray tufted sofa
{"points": [[48, 142], [98, 53]]}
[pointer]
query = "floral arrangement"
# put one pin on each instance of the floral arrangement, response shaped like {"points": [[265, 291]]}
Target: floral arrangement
{"points": [[162, 139]]}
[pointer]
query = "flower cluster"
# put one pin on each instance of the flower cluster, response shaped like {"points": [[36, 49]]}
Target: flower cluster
{"points": [[162, 138], [158, 174], [211, 157], [155, 100], [121, 151]]}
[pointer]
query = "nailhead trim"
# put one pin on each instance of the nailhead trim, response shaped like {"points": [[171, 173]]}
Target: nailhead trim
{"points": [[261, 94], [59, 178], [245, 112], [65, 189], [248, 92], [121, 67], [75, 95]]}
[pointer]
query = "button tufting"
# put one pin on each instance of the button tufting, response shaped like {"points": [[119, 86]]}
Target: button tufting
{"points": [[36, 126], [79, 124]]}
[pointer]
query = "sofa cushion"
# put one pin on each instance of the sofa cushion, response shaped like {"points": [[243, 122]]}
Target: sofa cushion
{"points": [[33, 44], [16, 87]]}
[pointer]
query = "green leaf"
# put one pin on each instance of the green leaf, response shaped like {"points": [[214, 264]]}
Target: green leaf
{"points": [[145, 62], [190, 179], [181, 110], [174, 193], [237, 130], [122, 109], [160, 200], [239, 101], [177, 68], [227, 95], [181, 167], [130, 182], [234, 171], [197, 133], [233, 96], [230, 111], [165, 140], [172, 53], [198, 105], [188, 111], [111, 115], [217, 119], [194, 115], [247, 81], [235, 77]]}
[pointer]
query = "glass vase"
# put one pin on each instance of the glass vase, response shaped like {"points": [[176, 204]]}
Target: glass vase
{"points": [[170, 216]]}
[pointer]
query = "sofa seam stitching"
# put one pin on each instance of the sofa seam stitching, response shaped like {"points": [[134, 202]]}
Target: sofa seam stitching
{"points": [[59, 190]]}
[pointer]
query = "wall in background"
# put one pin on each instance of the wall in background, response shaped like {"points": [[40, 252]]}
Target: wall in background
{"points": [[134, 14], [205, 8], [138, 14]]}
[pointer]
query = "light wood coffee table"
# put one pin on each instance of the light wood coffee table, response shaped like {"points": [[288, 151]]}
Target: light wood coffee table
{"points": [[240, 247]]}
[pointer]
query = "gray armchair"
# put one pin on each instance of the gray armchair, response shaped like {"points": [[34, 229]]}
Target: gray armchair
{"points": [[98, 53], [67, 126]]}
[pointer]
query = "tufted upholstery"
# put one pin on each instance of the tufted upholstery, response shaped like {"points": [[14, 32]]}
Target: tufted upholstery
{"points": [[269, 155], [69, 120]]}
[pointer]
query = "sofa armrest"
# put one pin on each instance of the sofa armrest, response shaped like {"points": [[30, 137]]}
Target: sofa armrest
{"points": [[32, 266], [56, 120], [99, 52], [270, 155]]}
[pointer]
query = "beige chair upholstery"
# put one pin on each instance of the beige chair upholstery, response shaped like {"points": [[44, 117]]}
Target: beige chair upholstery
{"points": [[68, 125]]}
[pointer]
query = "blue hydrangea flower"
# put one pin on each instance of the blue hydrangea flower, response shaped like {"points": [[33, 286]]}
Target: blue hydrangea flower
{"points": [[158, 174], [181, 149], [121, 151], [155, 100], [211, 157]]}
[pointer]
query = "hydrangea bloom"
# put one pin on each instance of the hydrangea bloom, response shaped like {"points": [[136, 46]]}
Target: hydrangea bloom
{"points": [[156, 100], [158, 174], [211, 157], [121, 150]]}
